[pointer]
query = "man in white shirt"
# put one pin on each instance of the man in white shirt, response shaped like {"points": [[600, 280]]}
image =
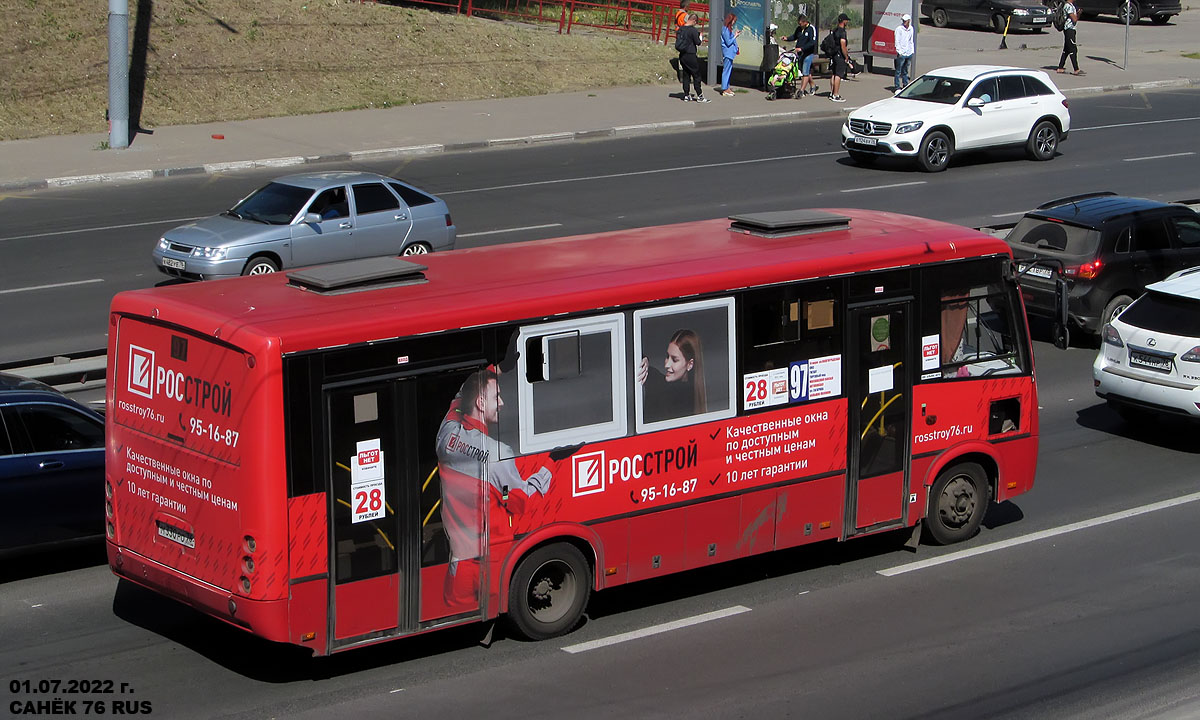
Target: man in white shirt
{"points": [[905, 48]]}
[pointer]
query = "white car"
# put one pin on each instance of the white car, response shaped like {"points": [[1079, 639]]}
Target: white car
{"points": [[1150, 355], [966, 107]]}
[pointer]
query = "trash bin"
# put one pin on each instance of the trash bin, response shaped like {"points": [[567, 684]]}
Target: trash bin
{"points": [[770, 59]]}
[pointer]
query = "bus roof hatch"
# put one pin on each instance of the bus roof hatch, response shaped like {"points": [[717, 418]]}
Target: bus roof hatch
{"points": [[787, 222], [354, 275]]}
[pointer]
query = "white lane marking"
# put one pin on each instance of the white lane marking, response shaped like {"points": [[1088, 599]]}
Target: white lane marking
{"points": [[103, 227], [1011, 214], [55, 285], [1033, 537], [656, 629], [635, 173], [1157, 157], [1134, 124], [883, 187], [393, 692], [508, 230]]}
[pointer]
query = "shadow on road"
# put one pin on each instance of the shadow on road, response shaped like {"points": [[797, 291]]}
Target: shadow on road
{"points": [[1167, 432], [1001, 514], [270, 662], [50, 562]]}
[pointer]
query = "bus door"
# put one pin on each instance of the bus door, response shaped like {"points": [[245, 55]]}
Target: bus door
{"points": [[374, 530], [878, 393]]}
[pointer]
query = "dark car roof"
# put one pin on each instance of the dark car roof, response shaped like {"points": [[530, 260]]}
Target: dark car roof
{"points": [[1098, 208], [8, 381], [44, 394]]}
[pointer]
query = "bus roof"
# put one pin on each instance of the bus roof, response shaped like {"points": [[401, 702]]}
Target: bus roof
{"points": [[516, 281]]}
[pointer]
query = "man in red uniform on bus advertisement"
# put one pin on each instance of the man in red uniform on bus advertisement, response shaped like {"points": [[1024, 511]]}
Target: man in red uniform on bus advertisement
{"points": [[472, 463]]}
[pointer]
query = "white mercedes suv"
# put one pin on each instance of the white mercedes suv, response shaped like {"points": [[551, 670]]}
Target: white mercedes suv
{"points": [[966, 107], [1149, 359]]}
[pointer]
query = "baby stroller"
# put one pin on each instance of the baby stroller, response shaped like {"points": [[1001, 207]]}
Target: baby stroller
{"points": [[782, 82]]}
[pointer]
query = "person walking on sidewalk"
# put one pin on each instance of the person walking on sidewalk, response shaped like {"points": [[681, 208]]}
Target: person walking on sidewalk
{"points": [[1070, 48], [906, 46], [687, 40], [729, 50], [805, 38], [841, 58]]}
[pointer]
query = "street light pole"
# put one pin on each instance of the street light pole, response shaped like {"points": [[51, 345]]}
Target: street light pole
{"points": [[118, 73], [716, 20]]}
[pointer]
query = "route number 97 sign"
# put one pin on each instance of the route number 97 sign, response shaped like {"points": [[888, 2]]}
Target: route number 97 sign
{"points": [[367, 500]]}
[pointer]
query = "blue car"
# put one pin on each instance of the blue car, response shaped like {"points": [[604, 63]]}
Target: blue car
{"points": [[51, 468]]}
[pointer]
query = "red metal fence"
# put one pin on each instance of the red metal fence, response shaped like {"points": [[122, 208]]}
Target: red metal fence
{"points": [[653, 18]]}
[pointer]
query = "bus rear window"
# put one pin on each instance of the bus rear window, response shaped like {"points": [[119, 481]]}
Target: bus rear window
{"points": [[181, 389]]}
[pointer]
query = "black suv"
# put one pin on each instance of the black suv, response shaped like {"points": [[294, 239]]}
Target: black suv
{"points": [[1159, 11], [1109, 248]]}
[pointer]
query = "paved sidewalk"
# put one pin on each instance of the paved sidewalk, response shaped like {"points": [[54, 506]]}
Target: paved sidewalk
{"points": [[444, 127]]}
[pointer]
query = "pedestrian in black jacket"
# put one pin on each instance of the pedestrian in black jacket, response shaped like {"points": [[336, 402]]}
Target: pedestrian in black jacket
{"points": [[805, 38], [687, 41]]}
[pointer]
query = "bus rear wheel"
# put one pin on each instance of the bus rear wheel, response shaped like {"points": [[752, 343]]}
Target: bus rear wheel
{"points": [[549, 591], [957, 503]]}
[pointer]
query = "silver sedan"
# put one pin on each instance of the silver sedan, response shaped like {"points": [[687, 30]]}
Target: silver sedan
{"points": [[308, 219]]}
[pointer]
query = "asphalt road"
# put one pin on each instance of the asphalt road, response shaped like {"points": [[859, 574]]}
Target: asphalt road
{"points": [[1095, 621], [65, 252]]}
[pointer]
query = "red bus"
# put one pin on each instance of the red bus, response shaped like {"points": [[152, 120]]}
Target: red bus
{"points": [[354, 452]]}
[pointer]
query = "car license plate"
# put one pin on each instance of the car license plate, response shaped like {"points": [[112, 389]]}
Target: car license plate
{"points": [[1150, 362], [1036, 271], [174, 264], [865, 140], [1039, 19]]}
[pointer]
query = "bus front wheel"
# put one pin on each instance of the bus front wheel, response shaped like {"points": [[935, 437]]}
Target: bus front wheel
{"points": [[957, 503], [549, 591]]}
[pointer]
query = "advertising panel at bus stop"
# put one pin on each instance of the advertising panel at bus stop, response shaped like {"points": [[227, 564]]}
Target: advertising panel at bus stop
{"points": [[880, 20], [752, 22]]}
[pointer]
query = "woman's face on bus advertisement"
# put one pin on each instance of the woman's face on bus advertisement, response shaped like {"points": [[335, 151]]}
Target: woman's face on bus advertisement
{"points": [[676, 366]]}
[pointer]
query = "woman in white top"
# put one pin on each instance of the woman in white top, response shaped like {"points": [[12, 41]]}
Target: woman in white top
{"points": [[1070, 49]]}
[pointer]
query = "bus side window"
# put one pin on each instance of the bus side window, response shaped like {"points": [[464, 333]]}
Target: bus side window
{"points": [[783, 325], [977, 333], [569, 382], [683, 363]]}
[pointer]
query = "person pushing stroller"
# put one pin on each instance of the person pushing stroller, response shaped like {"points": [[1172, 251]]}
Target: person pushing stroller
{"points": [[805, 38]]}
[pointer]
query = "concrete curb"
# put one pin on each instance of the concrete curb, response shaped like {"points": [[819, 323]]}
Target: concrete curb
{"points": [[541, 139]]}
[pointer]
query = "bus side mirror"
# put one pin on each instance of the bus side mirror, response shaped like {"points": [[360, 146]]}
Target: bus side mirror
{"points": [[1062, 335]]}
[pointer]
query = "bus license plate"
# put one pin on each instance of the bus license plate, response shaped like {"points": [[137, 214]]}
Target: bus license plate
{"points": [[1036, 271], [1150, 362], [173, 263], [865, 140]]}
